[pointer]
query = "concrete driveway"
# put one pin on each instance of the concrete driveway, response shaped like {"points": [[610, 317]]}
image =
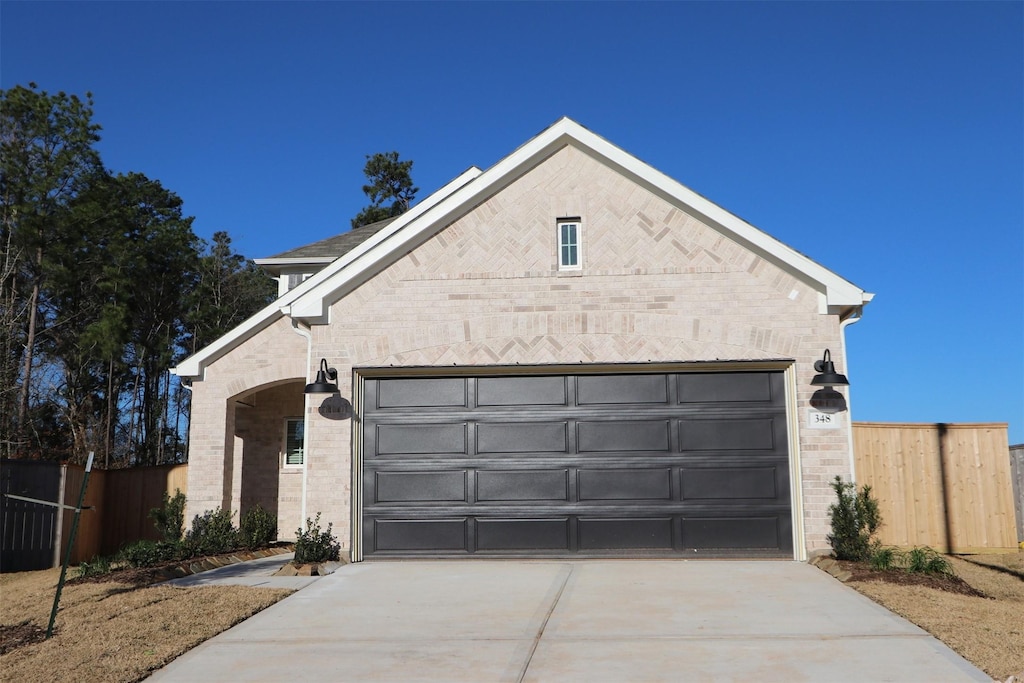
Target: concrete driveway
{"points": [[595, 620]]}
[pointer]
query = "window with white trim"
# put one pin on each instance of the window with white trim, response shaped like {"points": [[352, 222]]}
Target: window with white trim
{"points": [[569, 244], [294, 442]]}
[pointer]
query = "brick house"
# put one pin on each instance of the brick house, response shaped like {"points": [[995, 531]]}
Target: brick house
{"points": [[569, 354]]}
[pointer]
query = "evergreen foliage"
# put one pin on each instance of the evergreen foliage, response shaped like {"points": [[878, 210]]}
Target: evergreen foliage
{"points": [[855, 519], [391, 191], [257, 529], [103, 287]]}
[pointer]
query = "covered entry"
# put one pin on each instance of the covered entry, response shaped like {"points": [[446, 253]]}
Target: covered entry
{"points": [[576, 464]]}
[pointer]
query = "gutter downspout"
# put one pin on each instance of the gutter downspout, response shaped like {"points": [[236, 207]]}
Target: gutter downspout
{"points": [[855, 317], [304, 331]]}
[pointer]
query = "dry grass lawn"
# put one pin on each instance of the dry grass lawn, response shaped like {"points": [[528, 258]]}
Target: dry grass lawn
{"points": [[118, 632], [989, 632], [113, 631]]}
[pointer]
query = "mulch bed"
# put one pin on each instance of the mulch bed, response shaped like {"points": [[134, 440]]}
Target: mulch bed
{"points": [[165, 571], [943, 582]]}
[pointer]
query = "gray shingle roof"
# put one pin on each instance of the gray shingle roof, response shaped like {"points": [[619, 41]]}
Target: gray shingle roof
{"points": [[336, 246]]}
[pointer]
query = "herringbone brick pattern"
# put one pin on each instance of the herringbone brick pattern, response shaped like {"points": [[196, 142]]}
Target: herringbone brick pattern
{"points": [[656, 285]]}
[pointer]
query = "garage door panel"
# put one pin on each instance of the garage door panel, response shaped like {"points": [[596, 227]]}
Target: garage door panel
{"points": [[731, 532], [390, 535], [539, 485], [421, 393], [415, 487], [624, 484], [522, 437], [728, 387], [577, 464], [621, 389], [522, 534], [727, 435], [628, 533], [522, 391], [623, 436], [420, 439], [730, 483]]}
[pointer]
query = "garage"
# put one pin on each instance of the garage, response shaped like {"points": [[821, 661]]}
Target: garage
{"points": [[574, 464]]}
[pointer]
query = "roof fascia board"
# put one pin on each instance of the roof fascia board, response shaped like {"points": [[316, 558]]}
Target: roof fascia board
{"points": [[838, 290], [293, 261], [194, 365], [313, 306]]}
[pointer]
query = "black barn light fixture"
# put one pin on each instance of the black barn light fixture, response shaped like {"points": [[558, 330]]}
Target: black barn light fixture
{"points": [[321, 385], [827, 375]]}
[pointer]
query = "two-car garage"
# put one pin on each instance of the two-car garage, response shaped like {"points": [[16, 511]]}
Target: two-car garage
{"points": [[592, 462]]}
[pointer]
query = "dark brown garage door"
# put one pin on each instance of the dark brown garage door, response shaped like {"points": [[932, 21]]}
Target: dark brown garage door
{"points": [[577, 465]]}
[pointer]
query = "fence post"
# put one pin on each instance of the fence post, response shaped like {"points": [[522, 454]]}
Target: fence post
{"points": [[58, 530]]}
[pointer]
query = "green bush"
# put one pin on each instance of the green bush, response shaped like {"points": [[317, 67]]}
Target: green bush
{"points": [[97, 566], [922, 560], [313, 545], [149, 553], [927, 561], [885, 558], [212, 532], [257, 529], [855, 519], [169, 519]]}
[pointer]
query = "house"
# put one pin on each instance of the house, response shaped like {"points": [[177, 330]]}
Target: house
{"points": [[569, 354]]}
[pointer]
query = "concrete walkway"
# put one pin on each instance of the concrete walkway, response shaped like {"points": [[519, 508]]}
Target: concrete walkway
{"points": [[597, 620]]}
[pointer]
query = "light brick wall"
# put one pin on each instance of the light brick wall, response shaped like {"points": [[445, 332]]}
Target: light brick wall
{"points": [[252, 374], [656, 285]]}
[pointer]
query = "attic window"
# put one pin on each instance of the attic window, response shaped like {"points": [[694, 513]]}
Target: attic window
{"points": [[296, 279], [569, 244]]}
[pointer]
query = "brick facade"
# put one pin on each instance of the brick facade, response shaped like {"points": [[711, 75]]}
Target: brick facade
{"points": [[657, 285]]}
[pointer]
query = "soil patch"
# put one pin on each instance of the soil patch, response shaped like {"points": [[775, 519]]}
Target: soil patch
{"points": [[977, 613], [949, 583]]}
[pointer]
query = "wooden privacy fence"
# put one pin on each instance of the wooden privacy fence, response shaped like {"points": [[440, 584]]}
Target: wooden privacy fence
{"points": [[1017, 471], [947, 486], [35, 536]]}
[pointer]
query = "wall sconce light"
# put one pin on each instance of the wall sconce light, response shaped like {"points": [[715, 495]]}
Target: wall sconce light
{"points": [[321, 385], [827, 375]]}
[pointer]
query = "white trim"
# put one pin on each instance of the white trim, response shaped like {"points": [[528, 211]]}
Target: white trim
{"points": [[796, 478], [285, 465], [296, 261], [576, 243], [194, 365], [312, 299]]}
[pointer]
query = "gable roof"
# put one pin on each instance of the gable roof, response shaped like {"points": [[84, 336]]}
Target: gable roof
{"points": [[323, 251], [311, 300]]}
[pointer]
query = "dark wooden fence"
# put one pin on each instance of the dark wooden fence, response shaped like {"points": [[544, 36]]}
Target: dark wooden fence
{"points": [[35, 536], [28, 528]]}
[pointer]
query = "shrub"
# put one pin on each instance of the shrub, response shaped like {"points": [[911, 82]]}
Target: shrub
{"points": [[885, 558], [927, 561], [148, 553], [169, 519], [314, 545], [258, 528], [97, 566], [855, 518], [212, 533]]}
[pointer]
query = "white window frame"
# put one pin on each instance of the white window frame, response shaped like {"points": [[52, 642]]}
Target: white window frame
{"points": [[567, 246], [284, 444]]}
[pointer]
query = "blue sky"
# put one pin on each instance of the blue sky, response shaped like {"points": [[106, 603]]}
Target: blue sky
{"points": [[883, 140]]}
